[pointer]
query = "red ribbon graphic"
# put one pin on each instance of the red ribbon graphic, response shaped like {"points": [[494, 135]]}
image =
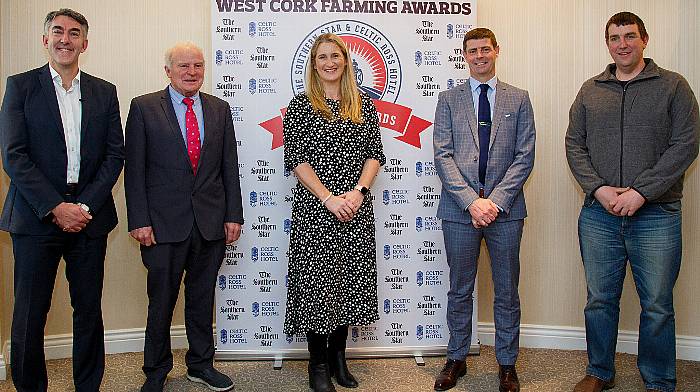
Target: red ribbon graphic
{"points": [[392, 116]]}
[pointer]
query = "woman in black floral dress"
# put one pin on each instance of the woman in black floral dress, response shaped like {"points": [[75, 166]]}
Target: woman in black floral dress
{"points": [[333, 145]]}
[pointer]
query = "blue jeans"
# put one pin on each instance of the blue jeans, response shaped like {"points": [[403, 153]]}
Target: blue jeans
{"points": [[651, 241]]}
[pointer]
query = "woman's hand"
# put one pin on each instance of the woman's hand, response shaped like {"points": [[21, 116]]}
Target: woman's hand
{"points": [[342, 208], [355, 197]]}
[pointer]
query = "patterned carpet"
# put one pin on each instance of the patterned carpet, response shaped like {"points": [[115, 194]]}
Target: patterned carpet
{"points": [[539, 370]]}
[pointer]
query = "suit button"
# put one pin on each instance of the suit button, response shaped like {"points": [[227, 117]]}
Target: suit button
{"points": [[476, 159]]}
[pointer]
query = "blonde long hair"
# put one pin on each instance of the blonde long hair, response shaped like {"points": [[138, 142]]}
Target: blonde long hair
{"points": [[350, 101]]}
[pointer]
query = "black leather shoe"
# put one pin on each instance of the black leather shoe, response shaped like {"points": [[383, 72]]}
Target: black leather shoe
{"points": [[508, 379], [338, 368], [211, 378], [449, 374], [320, 378], [154, 384]]}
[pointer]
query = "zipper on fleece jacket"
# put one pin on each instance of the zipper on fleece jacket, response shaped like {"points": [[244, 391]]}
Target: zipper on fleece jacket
{"points": [[622, 128]]}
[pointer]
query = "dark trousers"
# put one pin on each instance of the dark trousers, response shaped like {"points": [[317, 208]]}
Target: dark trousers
{"points": [[36, 265], [166, 264]]}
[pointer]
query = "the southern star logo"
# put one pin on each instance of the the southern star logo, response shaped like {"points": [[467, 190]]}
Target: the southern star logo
{"points": [[377, 72]]}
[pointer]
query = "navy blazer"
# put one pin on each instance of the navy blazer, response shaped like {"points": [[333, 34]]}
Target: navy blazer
{"points": [[35, 159], [456, 146], [162, 191]]}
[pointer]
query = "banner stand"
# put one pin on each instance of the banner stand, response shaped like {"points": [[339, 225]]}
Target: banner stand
{"points": [[404, 53], [418, 352], [352, 353]]}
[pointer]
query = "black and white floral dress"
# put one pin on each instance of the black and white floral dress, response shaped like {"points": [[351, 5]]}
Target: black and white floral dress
{"points": [[332, 264]]}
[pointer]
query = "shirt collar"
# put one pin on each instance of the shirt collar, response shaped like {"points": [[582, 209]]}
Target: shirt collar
{"points": [[56, 77], [474, 84], [177, 97]]}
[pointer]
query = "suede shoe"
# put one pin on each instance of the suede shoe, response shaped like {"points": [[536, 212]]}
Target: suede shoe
{"points": [[593, 384], [211, 378], [508, 379], [449, 374]]}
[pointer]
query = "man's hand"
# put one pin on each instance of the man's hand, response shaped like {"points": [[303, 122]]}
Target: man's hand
{"points": [[483, 212], [144, 235], [70, 217], [606, 196], [627, 203], [233, 232]]}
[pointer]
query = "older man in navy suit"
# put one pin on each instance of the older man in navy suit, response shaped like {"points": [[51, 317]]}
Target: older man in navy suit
{"points": [[62, 148], [484, 141], [183, 200]]}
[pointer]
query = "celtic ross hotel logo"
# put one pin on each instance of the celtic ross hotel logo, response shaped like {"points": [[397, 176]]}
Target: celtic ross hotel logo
{"points": [[377, 69]]}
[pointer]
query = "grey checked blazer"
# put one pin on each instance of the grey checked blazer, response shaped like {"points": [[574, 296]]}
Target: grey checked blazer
{"points": [[456, 147]]}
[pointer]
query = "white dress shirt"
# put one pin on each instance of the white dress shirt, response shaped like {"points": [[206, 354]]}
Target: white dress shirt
{"points": [[71, 115]]}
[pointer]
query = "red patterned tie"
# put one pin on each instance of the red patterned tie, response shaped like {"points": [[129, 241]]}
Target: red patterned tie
{"points": [[192, 128]]}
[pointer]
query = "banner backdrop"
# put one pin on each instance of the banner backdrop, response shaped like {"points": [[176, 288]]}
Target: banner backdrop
{"points": [[404, 53]]}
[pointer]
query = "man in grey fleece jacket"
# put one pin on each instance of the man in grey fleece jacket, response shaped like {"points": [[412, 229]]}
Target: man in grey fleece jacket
{"points": [[632, 134]]}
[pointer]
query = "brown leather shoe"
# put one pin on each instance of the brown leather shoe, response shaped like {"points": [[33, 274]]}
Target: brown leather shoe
{"points": [[449, 374], [508, 379], [593, 384]]}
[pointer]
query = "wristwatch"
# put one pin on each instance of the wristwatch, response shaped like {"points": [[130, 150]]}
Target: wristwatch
{"points": [[84, 207], [363, 189]]}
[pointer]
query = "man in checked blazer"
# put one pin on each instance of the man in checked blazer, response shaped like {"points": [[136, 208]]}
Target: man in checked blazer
{"points": [[183, 200], [484, 142]]}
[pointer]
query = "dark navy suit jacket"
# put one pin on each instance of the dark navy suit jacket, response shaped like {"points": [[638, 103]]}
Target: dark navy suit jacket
{"points": [[162, 191], [35, 159]]}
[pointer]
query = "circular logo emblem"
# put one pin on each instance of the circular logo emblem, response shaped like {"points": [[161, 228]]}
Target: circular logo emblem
{"points": [[375, 62]]}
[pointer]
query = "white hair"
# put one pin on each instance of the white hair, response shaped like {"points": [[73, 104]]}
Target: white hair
{"points": [[180, 45]]}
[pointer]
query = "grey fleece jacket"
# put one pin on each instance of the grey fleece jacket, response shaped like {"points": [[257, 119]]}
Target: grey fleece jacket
{"points": [[643, 136]]}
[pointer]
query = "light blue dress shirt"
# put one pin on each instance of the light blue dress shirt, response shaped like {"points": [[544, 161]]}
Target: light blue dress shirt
{"points": [[491, 95], [476, 91], [181, 109]]}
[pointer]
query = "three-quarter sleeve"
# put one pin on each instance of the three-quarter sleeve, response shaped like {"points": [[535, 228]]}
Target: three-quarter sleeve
{"points": [[373, 148], [295, 132]]}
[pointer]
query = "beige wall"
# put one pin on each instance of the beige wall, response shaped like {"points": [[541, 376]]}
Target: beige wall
{"points": [[547, 47], [2, 242], [550, 48], [126, 44]]}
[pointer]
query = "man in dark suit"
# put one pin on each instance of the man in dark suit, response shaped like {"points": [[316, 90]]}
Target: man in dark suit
{"points": [[484, 142], [62, 148], [184, 205]]}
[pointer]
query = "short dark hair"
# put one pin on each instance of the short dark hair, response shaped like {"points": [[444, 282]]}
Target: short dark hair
{"points": [[479, 33], [624, 19], [77, 16]]}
